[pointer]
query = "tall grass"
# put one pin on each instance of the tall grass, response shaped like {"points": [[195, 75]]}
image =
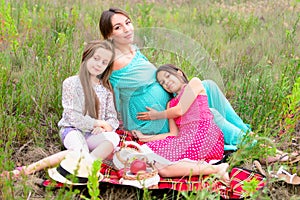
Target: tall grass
{"points": [[255, 46]]}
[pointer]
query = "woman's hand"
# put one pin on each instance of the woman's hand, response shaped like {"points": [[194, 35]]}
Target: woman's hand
{"points": [[150, 115]]}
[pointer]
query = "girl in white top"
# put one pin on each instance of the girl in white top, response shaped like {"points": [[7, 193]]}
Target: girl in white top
{"points": [[89, 117]]}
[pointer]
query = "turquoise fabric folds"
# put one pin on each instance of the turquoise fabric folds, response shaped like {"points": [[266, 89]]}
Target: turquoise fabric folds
{"points": [[135, 87]]}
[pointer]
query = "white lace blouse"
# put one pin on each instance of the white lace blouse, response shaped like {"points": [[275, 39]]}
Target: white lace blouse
{"points": [[73, 105]]}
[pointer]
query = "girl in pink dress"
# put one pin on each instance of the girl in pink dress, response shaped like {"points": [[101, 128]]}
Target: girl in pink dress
{"points": [[193, 134], [198, 137]]}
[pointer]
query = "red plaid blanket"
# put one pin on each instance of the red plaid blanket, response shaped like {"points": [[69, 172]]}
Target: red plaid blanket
{"points": [[193, 183]]}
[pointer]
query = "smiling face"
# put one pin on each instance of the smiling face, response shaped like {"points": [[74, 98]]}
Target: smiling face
{"points": [[123, 31], [171, 82], [98, 62]]}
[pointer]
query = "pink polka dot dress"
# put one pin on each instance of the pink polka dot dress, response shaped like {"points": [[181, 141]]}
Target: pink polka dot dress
{"points": [[199, 138]]}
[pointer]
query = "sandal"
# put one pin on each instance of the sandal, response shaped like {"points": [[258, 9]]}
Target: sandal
{"points": [[287, 177]]}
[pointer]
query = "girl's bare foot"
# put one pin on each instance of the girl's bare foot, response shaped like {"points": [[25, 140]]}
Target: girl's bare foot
{"points": [[222, 172], [14, 174]]}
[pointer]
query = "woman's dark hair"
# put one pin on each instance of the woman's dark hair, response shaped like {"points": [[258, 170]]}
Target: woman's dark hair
{"points": [[172, 69], [105, 25]]}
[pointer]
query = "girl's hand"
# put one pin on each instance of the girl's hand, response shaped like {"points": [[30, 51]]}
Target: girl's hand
{"points": [[150, 115], [97, 130], [141, 136], [103, 125], [137, 134]]}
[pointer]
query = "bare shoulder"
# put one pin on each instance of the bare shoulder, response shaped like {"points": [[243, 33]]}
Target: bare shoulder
{"points": [[196, 84], [118, 61], [118, 64], [195, 81], [121, 60]]}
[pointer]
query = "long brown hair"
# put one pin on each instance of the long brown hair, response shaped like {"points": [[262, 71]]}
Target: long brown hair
{"points": [[92, 103], [172, 69], [105, 25]]}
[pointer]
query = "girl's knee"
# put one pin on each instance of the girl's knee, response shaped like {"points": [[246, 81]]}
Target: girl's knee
{"points": [[74, 140], [114, 139]]}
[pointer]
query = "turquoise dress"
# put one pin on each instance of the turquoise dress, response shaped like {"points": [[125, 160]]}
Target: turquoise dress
{"points": [[225, 117], [135, 87]]}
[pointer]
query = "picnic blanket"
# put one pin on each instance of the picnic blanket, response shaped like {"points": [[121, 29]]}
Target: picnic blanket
{"points": [[192, 183]]}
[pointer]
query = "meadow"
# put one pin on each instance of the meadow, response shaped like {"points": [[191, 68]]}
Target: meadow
{"points": [[254, 54]]}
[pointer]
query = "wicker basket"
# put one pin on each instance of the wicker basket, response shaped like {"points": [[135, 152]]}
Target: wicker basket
{"points": [[141, 175], [142, 179]]}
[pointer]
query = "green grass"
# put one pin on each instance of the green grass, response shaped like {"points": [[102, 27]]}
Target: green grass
{"points": [[254, 46]]}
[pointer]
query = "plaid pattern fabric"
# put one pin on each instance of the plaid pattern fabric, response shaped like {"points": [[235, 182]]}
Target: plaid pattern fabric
{"points": [[240, 176], [193, 183]]}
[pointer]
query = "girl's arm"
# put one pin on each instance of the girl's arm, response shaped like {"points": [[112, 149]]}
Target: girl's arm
{"points": [[110, 115], [100, 126], [72, 102], [148, 138], [192, 90]]}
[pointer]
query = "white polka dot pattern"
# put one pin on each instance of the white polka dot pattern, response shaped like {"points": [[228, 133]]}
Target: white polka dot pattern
{"points": [[199, 137]]}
